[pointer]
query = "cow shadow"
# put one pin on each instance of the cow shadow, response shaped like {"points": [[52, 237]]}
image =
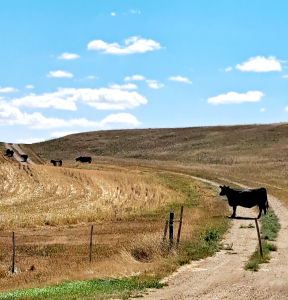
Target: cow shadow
{"points": [[242, 218]]}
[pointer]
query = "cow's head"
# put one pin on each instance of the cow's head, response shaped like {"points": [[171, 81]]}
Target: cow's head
{"points": [[224, 190]]}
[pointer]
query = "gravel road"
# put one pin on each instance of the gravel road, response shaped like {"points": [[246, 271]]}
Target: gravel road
{"points": [[223, 277], [17, 154]]}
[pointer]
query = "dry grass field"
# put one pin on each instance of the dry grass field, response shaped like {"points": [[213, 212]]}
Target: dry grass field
{"points": [[127, 193], [51, 211]]}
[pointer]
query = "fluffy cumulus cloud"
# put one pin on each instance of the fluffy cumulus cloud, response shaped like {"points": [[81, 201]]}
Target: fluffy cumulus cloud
{"points": [[10, 115], [233, 97], [260, 64], [113, 14], [133, 11], [120, 119], [91, 77], [285, 76], [228, 69], [59, 134], [65, 98], [60, 74], [132, 45], [128, 86], [134, 77], [179, 78], [262, 109], [153, 84], [29, 86], [30, 140], [68, 56], [7, 90]]}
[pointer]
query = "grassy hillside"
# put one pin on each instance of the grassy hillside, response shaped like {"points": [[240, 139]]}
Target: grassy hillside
{"points": [[256, 155], [220, 144]]}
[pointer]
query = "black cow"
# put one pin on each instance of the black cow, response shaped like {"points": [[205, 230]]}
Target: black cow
{"points": [[25, 157], [9, 153], [54, 162], [84, 159], [246, 198]]}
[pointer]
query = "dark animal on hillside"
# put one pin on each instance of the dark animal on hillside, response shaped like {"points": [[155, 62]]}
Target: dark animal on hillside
{"points": [[246, 198], [84, 159], [9, 153], [54, 162], [25, 157]]}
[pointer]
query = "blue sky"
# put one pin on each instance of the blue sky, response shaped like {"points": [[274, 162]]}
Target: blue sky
{"points": [[75, 66]]}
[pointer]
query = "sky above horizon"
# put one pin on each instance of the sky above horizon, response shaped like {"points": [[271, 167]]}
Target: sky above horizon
{"points": [[77, 66]]}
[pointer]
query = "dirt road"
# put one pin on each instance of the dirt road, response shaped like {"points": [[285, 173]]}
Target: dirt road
{"points": [[223, 277], [17, 154]]}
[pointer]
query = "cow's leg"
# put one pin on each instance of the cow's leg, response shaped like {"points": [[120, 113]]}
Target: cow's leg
{"points": [[234, 212], [260, 212]]}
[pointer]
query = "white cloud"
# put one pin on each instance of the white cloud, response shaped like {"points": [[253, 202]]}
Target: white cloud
{"points": [[262, 109], [91, 77], [285, 76], [113, 14], [62, 133], [30, 140], [128, 86], [181, 79], [29, 86], [260, 64], [154, 85], [120, 119], [233, 97], [65, 98], [134, 77], [228, 69], [7, 90], [134, 44], [135, 11], [68, 56], [10, 115], [60, 74]]}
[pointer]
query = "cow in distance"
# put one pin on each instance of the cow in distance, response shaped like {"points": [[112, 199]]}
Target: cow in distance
{"points": [[246, 198], [9, 153], [84, 159], [54, 162], [25, 157]]}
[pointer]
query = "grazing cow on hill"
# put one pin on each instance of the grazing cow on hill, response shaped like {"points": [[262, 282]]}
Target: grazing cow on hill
{"points": [[54, 162], [25, 157], [84, 159], [9, 153], [246, 198]]}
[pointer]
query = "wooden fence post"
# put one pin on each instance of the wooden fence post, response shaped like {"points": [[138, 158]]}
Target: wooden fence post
{"points": [[171, 221], [259, 238], [180, 225], [165, 230], [13, 252], [90, 252]]}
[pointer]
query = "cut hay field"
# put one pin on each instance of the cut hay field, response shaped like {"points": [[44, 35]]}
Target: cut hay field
{"points": [[52, 209], [133, 182]]}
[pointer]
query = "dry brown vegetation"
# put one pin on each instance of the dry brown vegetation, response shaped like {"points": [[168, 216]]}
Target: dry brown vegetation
{"points": [[51, 210]]}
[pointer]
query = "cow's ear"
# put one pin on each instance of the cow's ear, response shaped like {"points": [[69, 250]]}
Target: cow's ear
{"points": [[220, 187]]}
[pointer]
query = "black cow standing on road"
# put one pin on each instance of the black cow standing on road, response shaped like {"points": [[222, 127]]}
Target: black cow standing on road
{"points": [[25, 157], [9, 153], [84, 159], [246, 198]]}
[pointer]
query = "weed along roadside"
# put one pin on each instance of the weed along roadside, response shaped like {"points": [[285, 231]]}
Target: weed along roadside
{"points": [[270, 227]]}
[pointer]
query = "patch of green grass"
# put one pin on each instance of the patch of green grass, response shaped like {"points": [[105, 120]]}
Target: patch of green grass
{"points": [[90, 289], [181, 185], [270, 226], [269, 230], [204, 243]]}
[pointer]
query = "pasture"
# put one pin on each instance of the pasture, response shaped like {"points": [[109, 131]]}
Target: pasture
{"points": [[51, 209]]}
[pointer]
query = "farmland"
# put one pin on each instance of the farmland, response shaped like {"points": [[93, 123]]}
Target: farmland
{"points": [[136, 177]]}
